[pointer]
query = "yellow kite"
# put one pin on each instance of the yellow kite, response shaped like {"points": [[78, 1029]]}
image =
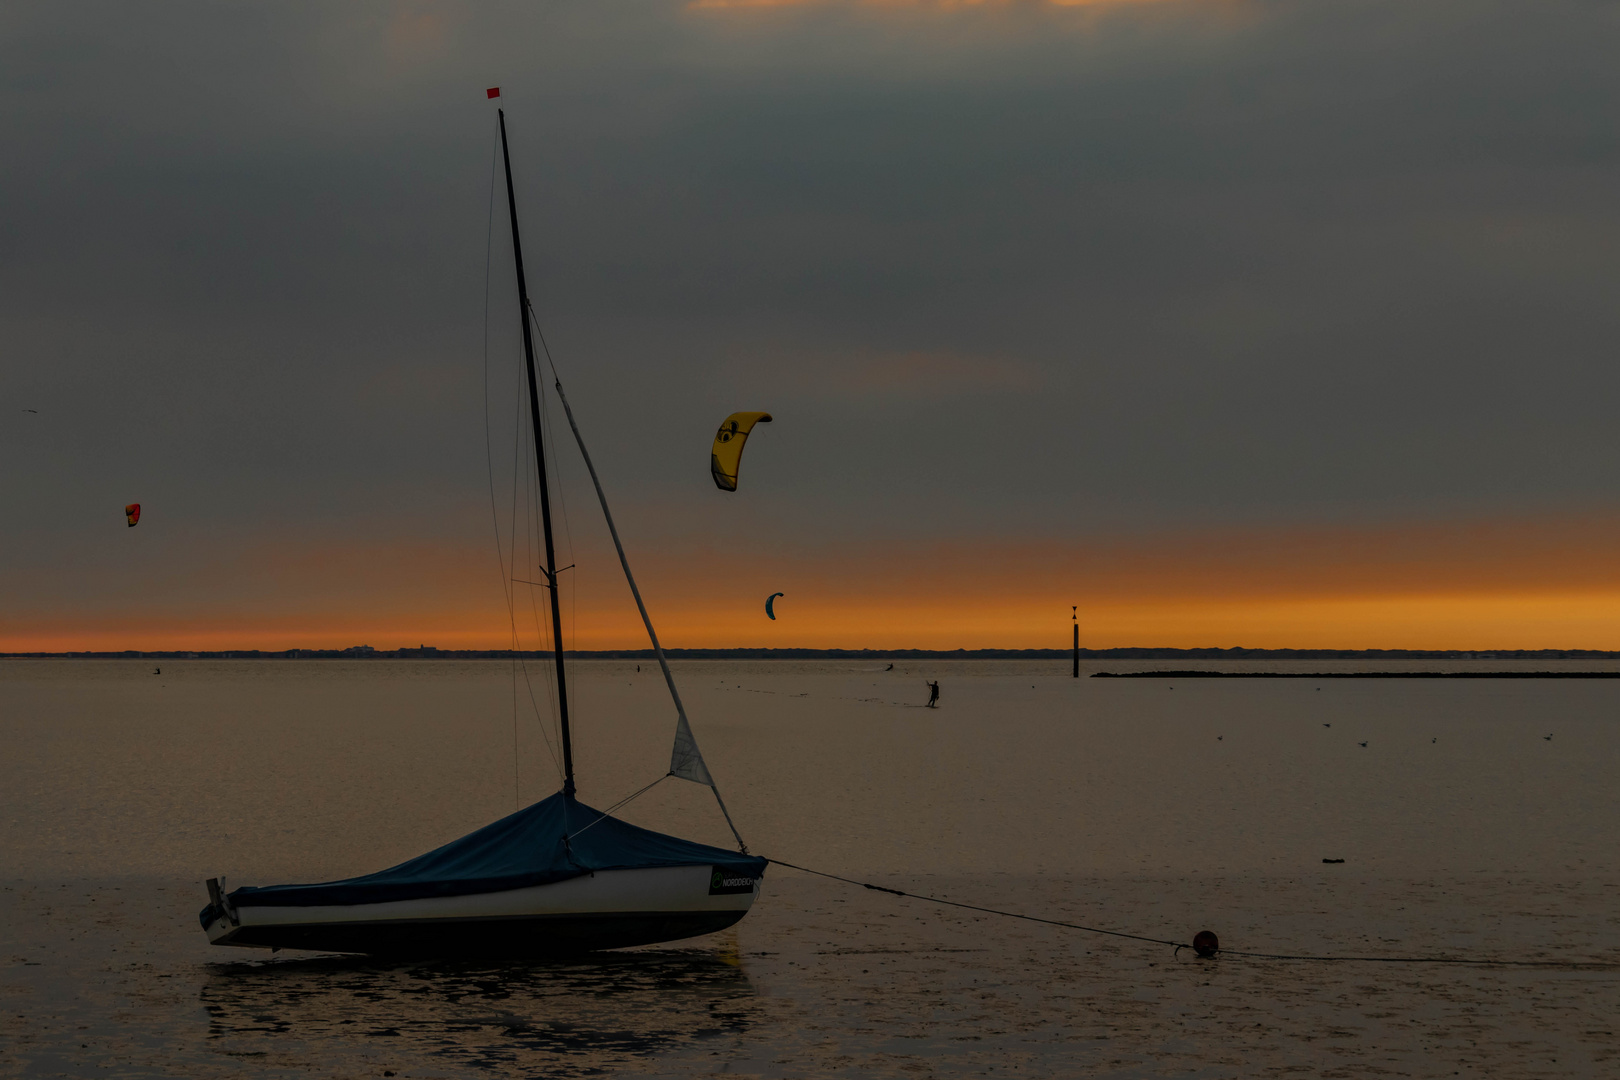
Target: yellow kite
{"points": [[728, 447]]}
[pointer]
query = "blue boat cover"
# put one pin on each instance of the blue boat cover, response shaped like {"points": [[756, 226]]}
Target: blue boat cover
{"points": [[524, 849]]}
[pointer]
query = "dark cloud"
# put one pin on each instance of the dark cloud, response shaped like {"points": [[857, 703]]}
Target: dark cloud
{"points": [[1143, 268]]}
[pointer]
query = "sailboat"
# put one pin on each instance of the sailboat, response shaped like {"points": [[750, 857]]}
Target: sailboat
{"points": [[553, 878]]}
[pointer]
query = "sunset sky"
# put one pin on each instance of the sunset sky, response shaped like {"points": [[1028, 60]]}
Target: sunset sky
{"points": [[1233, 323]]}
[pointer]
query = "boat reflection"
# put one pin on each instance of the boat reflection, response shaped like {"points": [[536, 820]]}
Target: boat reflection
{"points": [[584, 1014]]}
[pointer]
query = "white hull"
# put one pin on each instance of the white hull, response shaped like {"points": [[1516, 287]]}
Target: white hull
{"points": [[601, 910]]}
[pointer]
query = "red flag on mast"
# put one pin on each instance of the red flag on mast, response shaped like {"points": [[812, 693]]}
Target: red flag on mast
{"points": [[493, 91]]}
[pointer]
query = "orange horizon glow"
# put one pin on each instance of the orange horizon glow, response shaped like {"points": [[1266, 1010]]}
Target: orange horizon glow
{"points": [[945, 5], [1476, 586], [1470, 623]]}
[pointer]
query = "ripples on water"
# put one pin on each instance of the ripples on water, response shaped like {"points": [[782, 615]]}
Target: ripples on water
{"points": [[1466, 832], [574, 1017]]}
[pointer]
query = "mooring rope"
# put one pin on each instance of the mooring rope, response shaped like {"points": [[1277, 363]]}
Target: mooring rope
{"points": [[1571, 965], [987, 911]]}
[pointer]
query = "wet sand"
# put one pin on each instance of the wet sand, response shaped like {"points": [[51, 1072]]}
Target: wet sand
{"points": [[1142, 805]]}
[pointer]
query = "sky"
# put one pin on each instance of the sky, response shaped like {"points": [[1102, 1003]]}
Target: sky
{"points": [[1232, 323]]}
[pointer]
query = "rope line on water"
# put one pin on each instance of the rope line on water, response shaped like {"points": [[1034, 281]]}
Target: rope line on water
{"points": [[1572, 965], [987, 911]]}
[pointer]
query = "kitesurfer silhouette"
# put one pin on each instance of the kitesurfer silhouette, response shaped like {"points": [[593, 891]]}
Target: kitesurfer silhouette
{"points": [[933, 695]]}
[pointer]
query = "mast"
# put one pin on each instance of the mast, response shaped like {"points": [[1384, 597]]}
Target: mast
{"points": [[550, 569]]}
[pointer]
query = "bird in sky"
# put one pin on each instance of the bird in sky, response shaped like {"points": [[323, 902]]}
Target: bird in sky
{"points": [[1363, 744], [34, 411]]}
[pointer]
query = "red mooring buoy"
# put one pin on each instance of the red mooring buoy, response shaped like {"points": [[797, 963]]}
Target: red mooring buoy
{"points": [[1206, 944]]}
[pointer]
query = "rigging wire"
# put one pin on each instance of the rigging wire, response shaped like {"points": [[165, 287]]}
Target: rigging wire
{"points": [[508, 589], [554, 462], [523, 465], [530, 514], [1568, 965], [683, 729], [533, 440], [626, 801], [541, 437], [489, 466]]}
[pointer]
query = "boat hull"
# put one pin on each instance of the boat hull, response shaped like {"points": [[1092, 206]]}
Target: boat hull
{"points": [[609, 909]]}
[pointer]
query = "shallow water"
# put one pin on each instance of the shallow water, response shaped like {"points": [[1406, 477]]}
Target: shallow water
{"points": [[1156, 808]]}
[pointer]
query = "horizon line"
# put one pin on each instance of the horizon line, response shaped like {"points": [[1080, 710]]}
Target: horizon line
{"points": [[1126, 652]]}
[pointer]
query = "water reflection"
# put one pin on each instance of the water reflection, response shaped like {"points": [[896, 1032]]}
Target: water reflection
{"points": [[568, 1017]]}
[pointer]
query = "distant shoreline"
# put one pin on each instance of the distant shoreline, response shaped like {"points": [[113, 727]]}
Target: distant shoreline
{"points": [[1355, 675], [428, 652]]}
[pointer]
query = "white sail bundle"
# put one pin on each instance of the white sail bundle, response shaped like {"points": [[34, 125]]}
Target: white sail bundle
{"points": [[686, 760]]}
